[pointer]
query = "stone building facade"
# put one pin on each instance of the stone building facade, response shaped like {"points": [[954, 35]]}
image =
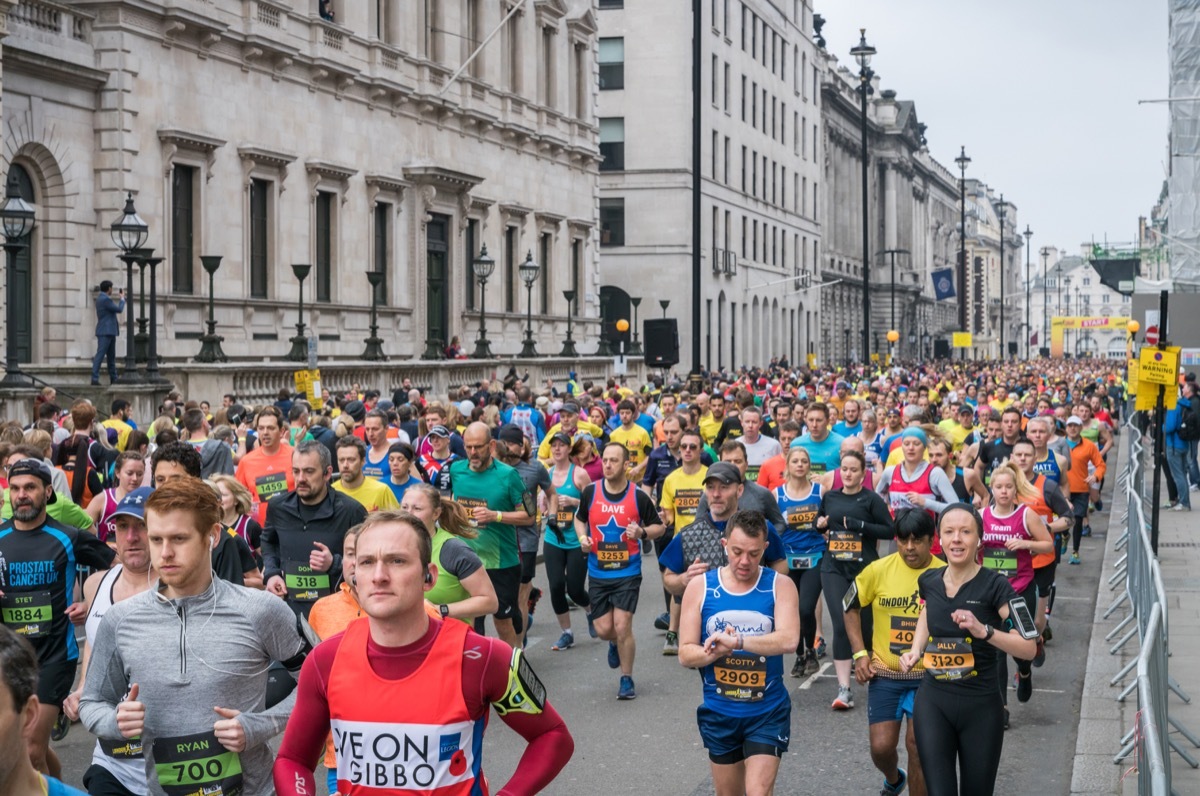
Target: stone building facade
{"points": [[762, 209], [263, 132]]}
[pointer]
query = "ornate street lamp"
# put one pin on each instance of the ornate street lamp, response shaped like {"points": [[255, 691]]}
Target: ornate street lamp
{"points": [[892, 337], [1028, 233], [1003, 207], [374, 350], [529, 271], [17, 217], [962, 161], [210, 350], [664, 303], [141, 339], [635, 347], [299, 352], [148, 259], [483, 265], [568, 349], [862, 52], [129, 232]]}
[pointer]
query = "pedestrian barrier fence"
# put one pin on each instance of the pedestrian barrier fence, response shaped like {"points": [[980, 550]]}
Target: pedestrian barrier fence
{"points": [[1138, 572]]}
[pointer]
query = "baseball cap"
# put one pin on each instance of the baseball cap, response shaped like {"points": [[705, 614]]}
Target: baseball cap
{"points": [[511, 432], [356, 410], [893, 412], [440, 431], [724, 472], [570, 408], [38, 469], [1074, 420], [966, 409], [561, 436], [134, 504]]}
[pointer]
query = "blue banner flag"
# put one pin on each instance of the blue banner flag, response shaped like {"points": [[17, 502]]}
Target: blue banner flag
{"points": [[943, 284]]}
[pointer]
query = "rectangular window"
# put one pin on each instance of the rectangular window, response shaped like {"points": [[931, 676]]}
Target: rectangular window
{"points": [[716, 80], [323, 267], [726, 160], [754, 174], [743, 98], [754, 241], [715, 240], [612, 64], [545, 249], [576, 265], [728, 229], [612, 222], [260, 192], [726, 106], [510, 269], [475, 34], [183, 228], [471, 242], [743, 169], [715, 152], [612, 4], [612, 144], [815, 214], [745, 226], [804, 139], [754, 105], [804, 198], [546, 84], [745, 25], [383, 218]]}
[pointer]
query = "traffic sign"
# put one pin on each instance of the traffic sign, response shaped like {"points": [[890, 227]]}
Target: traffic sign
{"points": [[1159, 367], [1152, 335], [1147, 400], [1132, 377]]}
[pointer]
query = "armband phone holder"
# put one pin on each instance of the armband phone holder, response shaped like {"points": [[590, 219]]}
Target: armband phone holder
{"points": [[1022, 618], [525, 693], [850, 599]]}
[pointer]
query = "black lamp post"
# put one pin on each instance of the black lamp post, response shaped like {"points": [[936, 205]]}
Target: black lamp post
{"points": [[299, 352], [1045, 252], [604, 348], [568, 349], [1028, 233], [1003, 207], [210, 350], [892, 254], [529, 271], [664, 303], [129, 233], [862, 52], [483, 265], [152, 341], [635, 347], [17, 217], [961, 161], [374, 350], [847, 347], [140, 340]]}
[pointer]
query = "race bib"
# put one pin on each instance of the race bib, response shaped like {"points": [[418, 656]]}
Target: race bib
{"points": [[801, 519], [564, 518], [270, 485], [687, 501], [612, 555], [742, 678], [752, 474], [900, 634], [27, 614], [803, 562], [1001, 559], [304, 584], [846, 545], [197, 765], [125, 749], [468, 504], [949, 659]]}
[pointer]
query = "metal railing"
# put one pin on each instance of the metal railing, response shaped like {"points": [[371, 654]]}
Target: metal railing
{"points": [[1138, 572]]}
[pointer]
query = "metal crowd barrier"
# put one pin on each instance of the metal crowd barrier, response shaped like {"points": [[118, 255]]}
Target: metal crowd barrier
{"points": [[1139, 573]]}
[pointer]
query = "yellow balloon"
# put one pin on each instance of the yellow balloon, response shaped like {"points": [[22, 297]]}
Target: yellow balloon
{"points": [[1132, 327], [893, 336], [622, 325]]}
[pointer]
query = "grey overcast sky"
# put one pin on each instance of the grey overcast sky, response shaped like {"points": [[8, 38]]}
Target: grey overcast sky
{"points": [[1042, 94]]}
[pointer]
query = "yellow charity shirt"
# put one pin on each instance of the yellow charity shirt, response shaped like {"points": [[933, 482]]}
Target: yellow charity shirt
{"points": [[372, 494], [889, 587], [681, 494]]}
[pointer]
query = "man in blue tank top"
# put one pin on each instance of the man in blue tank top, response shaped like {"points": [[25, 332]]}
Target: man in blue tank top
{"points": [[737, 623]]}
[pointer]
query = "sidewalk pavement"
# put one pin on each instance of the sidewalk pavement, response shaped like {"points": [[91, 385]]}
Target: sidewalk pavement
{"points": [[1103, 720]]}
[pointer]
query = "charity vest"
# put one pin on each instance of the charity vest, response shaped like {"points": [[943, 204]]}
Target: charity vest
{"points": [[1039, 507], [1016, 565], [801, 539], [901, 486], [1049, 467], [407, 736], [742, 683], [448, 588], [613, 554]]}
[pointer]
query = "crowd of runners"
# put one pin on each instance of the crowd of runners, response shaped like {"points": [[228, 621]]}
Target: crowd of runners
{"points": [[359, 575]]}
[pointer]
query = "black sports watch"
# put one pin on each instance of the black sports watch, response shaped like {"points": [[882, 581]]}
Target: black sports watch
{"points": [[444, 610], [988, 631]]}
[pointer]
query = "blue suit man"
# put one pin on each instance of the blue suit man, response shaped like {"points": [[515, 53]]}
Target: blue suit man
{"points": [[108, 327]]}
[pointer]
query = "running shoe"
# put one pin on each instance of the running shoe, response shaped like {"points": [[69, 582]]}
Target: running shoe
{"points": [[1024, 687], [565, 641], [671, 645], [820, 647], [891, 790], [810, 665], [1099, 505], [591, 627], [1047, 636], [844, 699], [1087, 530], [1074, 558], [62, 725], [798, 666], [626, 690], [662, 621], [1040, 656], [614, 657]]}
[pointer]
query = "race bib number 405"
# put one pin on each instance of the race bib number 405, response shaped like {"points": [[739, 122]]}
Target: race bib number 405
{"points": [[900, 634]]}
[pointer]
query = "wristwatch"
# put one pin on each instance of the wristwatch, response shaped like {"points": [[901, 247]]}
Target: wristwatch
{"points": [[988, 632], [444, 610]]}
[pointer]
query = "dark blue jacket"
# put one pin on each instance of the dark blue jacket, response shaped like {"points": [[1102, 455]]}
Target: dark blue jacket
{"points": [[1171, 424], [108, 313]]}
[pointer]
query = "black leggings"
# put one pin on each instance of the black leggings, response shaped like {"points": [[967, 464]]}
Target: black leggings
{"points": [[1024, 667], [1076, 534], [808, 584], [835, 586], [959, 740], [566, 571]]}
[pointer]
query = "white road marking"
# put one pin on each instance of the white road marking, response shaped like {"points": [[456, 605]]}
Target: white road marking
{"points": [[807, 684]]}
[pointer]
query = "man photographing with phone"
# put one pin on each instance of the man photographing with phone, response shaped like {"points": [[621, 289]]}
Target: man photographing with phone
{"points": [[108, 311]]}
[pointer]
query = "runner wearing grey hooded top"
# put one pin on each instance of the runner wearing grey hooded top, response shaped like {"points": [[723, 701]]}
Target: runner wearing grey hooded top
{"points": [[187, 656]]}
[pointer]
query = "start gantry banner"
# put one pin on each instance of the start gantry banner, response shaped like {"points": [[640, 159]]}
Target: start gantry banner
{"points": [[1060, 323]]}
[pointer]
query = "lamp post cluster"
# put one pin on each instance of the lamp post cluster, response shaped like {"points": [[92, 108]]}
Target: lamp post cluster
{"points": [[129, 234]]}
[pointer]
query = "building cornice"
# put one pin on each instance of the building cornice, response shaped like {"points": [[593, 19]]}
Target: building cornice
{"points": [[443, 179]]}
